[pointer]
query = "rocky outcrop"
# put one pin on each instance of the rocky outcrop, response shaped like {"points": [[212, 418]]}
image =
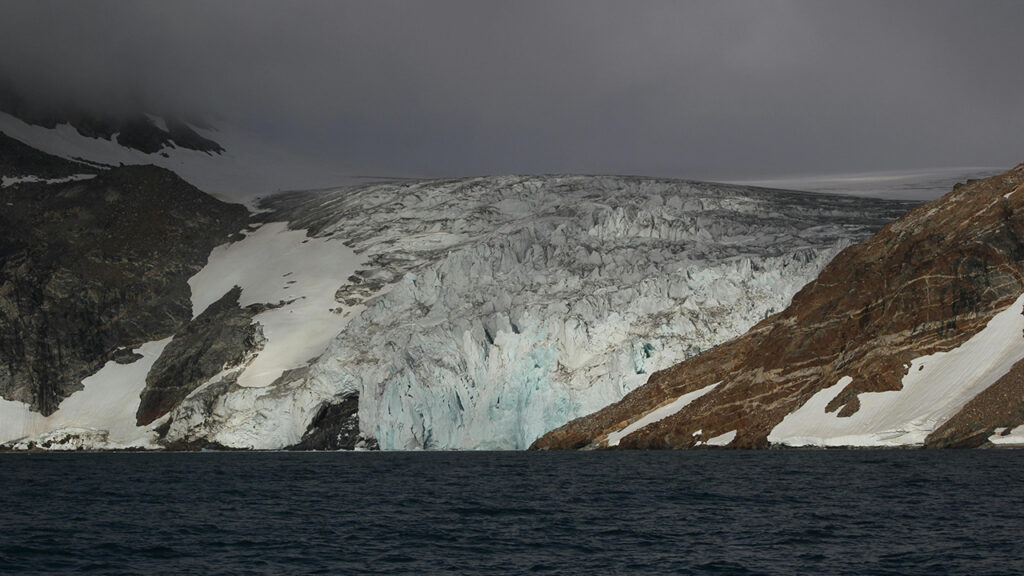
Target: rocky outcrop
{"points": [[335, 427], [222, 337], [91, 267], [925, 283], [1000, 407]]}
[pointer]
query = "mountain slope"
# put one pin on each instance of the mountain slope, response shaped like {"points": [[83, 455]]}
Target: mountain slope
{"points": [[901, 340], [223, 160], [472, 313], [483, 312], [93, 263], [138, 131]]}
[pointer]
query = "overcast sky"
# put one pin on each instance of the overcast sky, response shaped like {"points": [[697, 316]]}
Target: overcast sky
{"points": [[717, 90]]}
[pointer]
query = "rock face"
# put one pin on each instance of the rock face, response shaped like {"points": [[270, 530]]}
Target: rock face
{"points": [[919, 311], [335, 427], [220, 338], [90, 267]]}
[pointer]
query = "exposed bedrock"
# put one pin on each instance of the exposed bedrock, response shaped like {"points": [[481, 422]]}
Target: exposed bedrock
{"points": [[335, 427], [222, 337]]}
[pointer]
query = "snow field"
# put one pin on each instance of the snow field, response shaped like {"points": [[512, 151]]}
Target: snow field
{"points": [[274, 265], [101, 415], [936, 387]]}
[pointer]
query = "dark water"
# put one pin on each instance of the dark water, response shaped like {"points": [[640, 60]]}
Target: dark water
{"points": [[835, 512]]}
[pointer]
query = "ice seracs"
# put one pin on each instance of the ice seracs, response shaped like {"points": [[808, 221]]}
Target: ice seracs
{"points": [[487, 311], [914, 337]]}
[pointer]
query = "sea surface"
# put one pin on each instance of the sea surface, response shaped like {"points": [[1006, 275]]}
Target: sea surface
{"points": [[775, 512]]}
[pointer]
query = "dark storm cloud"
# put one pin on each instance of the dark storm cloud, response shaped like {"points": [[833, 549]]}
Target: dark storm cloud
{"points": [[697, 89]]}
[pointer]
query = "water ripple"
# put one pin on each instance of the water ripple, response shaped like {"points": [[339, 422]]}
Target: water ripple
{"points": [[835, 512]]}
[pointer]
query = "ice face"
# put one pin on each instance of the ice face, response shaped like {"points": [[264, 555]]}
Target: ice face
{"points": [[491, 310]]}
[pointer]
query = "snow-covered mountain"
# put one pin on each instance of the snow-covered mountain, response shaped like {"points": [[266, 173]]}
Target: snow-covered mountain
{"points": [[234, 164], [915, 337], [483, 312]]}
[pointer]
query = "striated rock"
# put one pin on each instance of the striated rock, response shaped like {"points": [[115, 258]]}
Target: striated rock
{"points": [[924, 284], [91, 267]]}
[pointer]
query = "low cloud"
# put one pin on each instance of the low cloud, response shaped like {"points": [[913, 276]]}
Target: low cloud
{"points": [[692, 89]]}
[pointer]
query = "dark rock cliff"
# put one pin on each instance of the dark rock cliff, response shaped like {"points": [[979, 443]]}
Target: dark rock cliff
{"points": [[91, 267], [223, 336]]}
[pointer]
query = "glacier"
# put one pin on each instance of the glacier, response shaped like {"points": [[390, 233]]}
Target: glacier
{"points": [[486, 311]]}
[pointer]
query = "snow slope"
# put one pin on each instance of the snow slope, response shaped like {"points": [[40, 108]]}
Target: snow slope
{"points": [[100, 416], [299, 276], [276, 265], [935, 388], [490, 310]]}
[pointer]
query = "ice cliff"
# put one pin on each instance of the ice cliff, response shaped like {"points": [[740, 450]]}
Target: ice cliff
{"points": [[487, 311]]}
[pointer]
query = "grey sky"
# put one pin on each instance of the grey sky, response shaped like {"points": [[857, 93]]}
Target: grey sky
{"points": [[723, 89]]}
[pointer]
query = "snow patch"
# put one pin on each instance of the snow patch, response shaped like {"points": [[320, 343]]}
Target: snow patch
{"points": [[722, 440], [934, 390], [659, 414], [1014, 438], [100, 416], [6, 181], [274, 265]]}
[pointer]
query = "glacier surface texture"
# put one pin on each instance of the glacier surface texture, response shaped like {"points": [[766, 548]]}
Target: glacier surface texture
{"points": [[487, 311]]}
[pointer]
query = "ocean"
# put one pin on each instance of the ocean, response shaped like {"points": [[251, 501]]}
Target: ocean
{"points": [[724, 512]]}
